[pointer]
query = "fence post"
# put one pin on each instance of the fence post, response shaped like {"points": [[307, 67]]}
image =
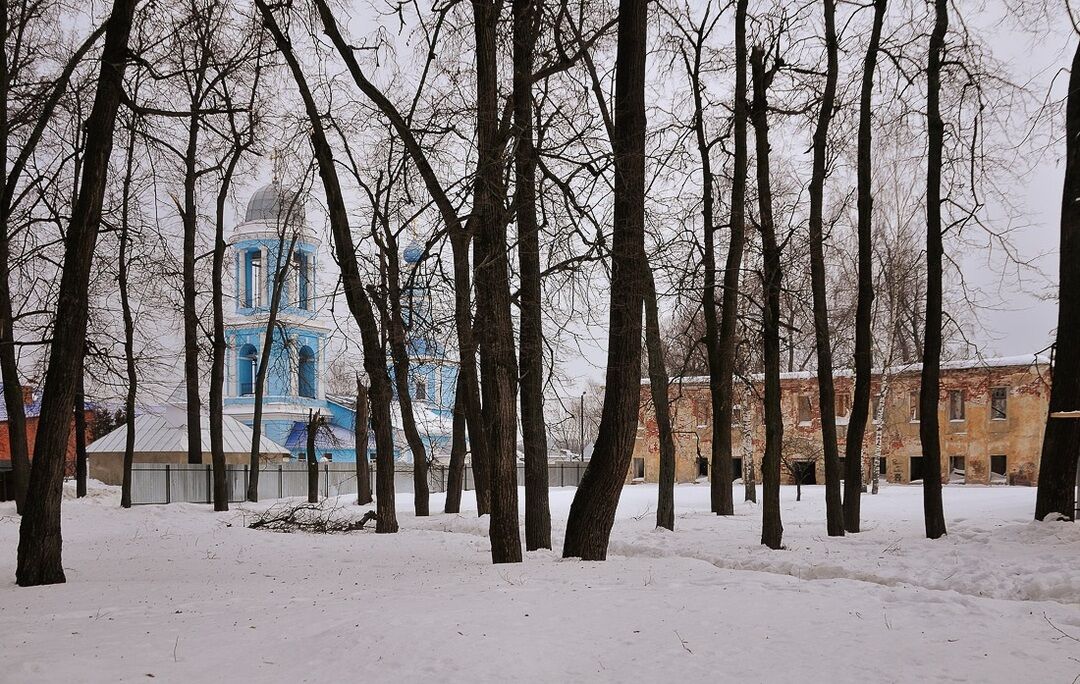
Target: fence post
{"points": [[209, 486], [168, 485], [562, 473], [246, 482], [326, 475]]}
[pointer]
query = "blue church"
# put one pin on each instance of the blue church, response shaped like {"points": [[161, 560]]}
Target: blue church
{"points": [[299, 356]]}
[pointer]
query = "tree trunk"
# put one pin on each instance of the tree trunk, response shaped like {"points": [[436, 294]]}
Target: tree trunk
{"points": [[394, 324], [826, 391], [39, 555], [9, 368], [930, 389], [455, 479], [360, 428], [359, 305], [879, 430], [191, 315], [864, 355], [658, 384], [80, 434], [749, 482], [460, 238], [314, 423], [722, 383], [592, 512], [1061, 442], [772, 530], [527, 18], [220, 346], [498, 362], [129, 325]]}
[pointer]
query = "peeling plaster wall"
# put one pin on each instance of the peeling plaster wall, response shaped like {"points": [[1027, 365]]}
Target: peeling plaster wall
{"points": [[976, 438]]}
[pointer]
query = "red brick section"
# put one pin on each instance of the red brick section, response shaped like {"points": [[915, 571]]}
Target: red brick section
{"points": [[31, 434]]}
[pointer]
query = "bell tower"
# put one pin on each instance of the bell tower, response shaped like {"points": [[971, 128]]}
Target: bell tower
{"points": [[273, 244]]}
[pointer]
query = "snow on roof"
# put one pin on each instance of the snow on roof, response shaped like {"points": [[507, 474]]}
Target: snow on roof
{"points": [[1021, 361], [167, 432]]}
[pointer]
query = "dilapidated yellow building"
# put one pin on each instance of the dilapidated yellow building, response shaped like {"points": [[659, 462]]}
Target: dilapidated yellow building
{"points": [[992, 414]]}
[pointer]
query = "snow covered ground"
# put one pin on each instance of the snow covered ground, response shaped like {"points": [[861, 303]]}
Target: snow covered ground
{"points": [[179, 593]]}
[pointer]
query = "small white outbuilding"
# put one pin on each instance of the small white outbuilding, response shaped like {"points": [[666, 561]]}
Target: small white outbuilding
{"points": [[161, 437]]}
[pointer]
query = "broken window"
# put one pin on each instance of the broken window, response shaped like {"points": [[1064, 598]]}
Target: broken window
{"points": [[638, 469], [956, 404], [421, 391], [843, 405], [999, 398], [998, 468], [916, 469], [913, 405], [956, 469], [806, 410]]}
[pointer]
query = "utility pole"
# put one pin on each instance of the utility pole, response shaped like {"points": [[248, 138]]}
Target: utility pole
{"points": [[581, 425]]}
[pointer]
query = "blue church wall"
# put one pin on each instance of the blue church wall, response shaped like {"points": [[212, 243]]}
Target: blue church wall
{"points": [[298, 294]]}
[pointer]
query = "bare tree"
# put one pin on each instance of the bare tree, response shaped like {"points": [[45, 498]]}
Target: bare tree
{"points": [[592, 512], [528, 15], [360, 306], [930, 389], [860, 406], [826, 390], [772, 530], [1057, 467], [39, 555]]}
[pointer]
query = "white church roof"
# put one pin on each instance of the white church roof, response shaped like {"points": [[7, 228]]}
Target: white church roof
{"points": [[167, 432]]}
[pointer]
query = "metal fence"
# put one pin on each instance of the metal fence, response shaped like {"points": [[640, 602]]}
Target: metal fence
{"points": [[163, 483]]}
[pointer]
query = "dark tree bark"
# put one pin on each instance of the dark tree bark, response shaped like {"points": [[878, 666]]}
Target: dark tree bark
{"points": [[394, 324], [40, 542], [658, 384], [592, 512], [123, 264], [772, 530], [314, 424], [220, 346], [498, 361], [9, 368], [455, 479], [527, 18], [725, 355], [189, 215], [360, 306], [360, 427], [720, 468], [931, 367], [460, 238], [826, 391], [1061, 441], [860, 405], [80, 434]]}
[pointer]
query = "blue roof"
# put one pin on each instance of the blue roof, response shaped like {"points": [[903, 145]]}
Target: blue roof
{"points": [[33, 409], [338, 437]]}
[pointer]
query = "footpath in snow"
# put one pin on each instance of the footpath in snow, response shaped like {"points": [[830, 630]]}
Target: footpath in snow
{"points": [[179, 593]]}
